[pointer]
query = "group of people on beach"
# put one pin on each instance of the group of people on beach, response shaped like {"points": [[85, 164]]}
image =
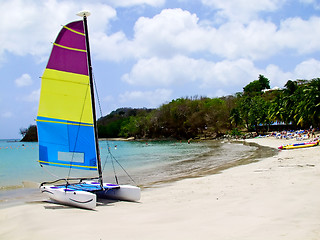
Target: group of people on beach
{"points": [[298, 135]]}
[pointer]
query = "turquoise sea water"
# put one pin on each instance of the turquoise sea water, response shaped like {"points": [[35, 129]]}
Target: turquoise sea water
{"points": [[148, 163]]}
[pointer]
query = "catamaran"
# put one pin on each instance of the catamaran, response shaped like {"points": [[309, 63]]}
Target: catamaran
{"points": [[66, 121]]}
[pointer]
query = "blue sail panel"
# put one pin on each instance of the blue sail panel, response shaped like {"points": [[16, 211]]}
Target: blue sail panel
{"points": [[66, 144]]}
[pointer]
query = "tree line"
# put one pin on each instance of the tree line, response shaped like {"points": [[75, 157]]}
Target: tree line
{"points": [[256, 108]]}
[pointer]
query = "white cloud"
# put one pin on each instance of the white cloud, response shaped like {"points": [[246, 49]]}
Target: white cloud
{"points": [[242, 10], [219, 78], [108, 98], [276, 75], [257, 40], [155, 36], [7, 115], [314, 3], [170, 32], [230, 74], [149, 99], [30, 26], [160, 72], [115, 47], [299, 35], [219, 93], [308, 69], [32, 31], [164, 45], [180, 70], [263, 39], [34, 96], [129, 3], [24, 80]]}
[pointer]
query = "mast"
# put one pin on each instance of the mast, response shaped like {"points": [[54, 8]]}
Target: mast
{"points": [[84, 14]]}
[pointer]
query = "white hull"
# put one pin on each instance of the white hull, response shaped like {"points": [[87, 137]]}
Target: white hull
{"points": [[88, 200], [81, 199], [123, 192]]}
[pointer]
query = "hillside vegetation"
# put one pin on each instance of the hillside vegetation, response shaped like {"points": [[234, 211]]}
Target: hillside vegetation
{"points": [[256, 108]]}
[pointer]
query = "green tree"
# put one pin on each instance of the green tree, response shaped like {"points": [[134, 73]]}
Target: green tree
{"points": [[309, 106], [256, 86]]}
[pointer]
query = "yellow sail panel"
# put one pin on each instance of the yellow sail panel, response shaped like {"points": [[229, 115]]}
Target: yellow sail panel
{"points": [[66, 96]]}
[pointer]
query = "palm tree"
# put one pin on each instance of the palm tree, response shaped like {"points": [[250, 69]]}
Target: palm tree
{"points": [[310, 104]]}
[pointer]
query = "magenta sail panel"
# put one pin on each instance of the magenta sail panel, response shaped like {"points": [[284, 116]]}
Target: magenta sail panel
{"points": [[72, 39], [69, 51], [68, 61]]}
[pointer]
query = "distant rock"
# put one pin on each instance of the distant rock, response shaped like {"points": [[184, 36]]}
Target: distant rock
{"points": [[29, 134]]}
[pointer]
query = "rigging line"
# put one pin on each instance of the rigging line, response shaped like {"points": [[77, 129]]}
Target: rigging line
{"points": [[112, 157], [121, 166], [49, 171], [78, 130], [105, 162], [114, 170], [97, 94], [83, 106]]}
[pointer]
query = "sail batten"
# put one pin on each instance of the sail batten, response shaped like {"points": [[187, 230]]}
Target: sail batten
{"points": [[69, 48], [72, 30], [68, 165], [65, 116], [62, 121]]}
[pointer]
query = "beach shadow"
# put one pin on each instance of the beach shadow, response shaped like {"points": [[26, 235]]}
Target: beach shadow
{"points": [[55, 205], [52, 205], [104, 201], [58, 206]]}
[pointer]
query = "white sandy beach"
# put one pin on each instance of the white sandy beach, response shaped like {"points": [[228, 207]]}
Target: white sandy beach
{"points": [[275, 198]]}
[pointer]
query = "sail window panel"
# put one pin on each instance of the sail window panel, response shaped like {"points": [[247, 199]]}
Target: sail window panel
{"points": [[68, 99], [72, 157]]}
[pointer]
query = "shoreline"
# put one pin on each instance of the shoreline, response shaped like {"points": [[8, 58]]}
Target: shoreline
{"points": [[26, 192], [274, 198]]}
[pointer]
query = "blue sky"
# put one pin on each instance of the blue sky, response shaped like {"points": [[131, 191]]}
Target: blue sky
{"points": [[148, 52]]}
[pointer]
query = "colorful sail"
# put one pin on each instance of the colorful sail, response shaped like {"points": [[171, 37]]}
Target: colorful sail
{"points": [[65, 117]]}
